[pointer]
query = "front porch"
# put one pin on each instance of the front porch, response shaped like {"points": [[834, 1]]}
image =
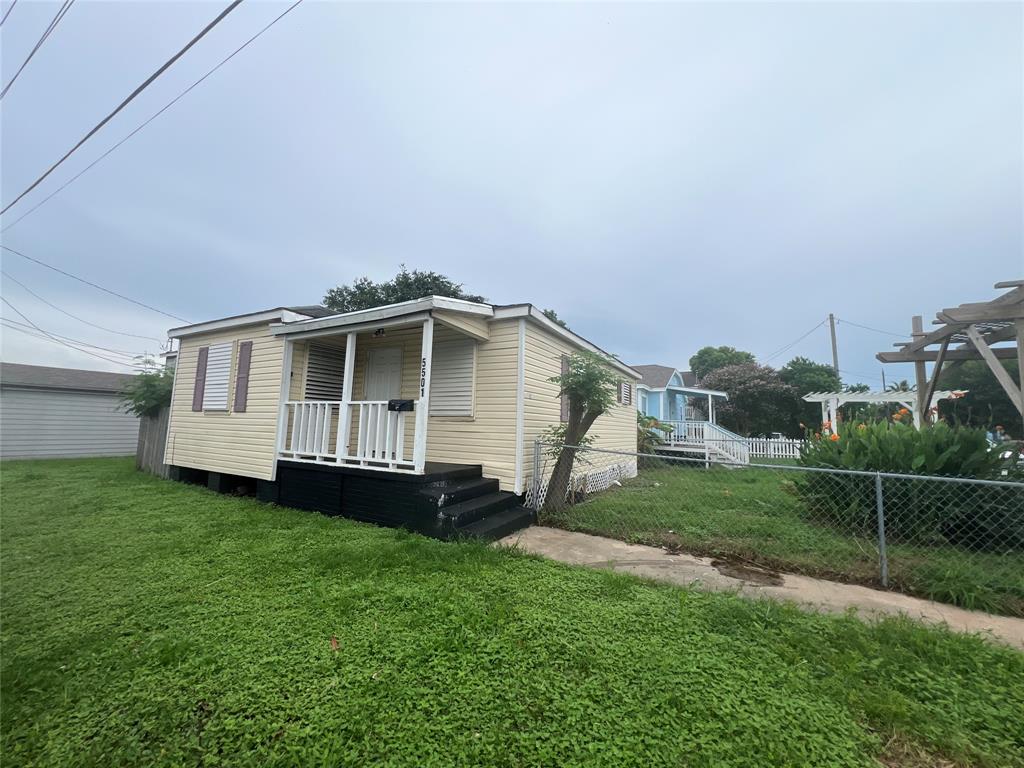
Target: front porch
{"points": [[361, 397]]}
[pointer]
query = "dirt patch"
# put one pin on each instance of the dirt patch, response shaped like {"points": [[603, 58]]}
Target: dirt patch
{"points": [[747, 573]]}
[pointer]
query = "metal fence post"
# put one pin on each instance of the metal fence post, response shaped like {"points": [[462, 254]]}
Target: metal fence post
{"points": [[536, 479], [883, 559]]}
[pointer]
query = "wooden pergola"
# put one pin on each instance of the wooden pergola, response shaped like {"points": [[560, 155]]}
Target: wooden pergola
{"points": [[830, 402], [968, 332]]}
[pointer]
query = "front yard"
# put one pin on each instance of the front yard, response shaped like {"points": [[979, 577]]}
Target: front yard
{"points": [[146, 622]]}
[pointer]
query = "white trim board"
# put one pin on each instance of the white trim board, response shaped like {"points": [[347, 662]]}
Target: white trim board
{"points": [[401, 309], [532, 313], [255, 318], [520, 407]]}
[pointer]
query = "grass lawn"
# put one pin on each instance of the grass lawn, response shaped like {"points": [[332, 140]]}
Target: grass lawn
{"points": [[150, 623], [752, 514]]}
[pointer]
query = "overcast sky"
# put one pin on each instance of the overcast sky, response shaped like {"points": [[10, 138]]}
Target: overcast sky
{"points": [[665, 176]]}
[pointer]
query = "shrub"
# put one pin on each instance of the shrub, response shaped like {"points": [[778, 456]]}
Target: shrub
{"points": [[650, 433], [924, 511], [148, 392]]}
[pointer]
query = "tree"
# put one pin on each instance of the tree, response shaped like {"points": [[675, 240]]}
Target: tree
{"points": [[710, 359], [364, 293], [589, 385], [986, 403], [806, 376], [551, 315], [148, 392], [759, 403]]}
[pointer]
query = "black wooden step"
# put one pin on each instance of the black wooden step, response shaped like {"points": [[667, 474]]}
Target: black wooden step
{"points": [[469, 511], [451, 493], [499, 525]]}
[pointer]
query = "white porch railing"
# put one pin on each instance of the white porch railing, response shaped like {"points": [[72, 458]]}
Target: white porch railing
{"points": [[716, 440], [775, 448], [372, 436]]}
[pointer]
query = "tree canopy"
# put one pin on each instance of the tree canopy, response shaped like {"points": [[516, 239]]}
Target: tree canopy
{"points": [[551, 315], [407, 285], [805, 375], [708, 359], [589, 386], [986, 403], [147, 392], [759, 403]]}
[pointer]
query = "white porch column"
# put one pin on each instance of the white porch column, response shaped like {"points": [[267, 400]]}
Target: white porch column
{"points": [[419, 449], [711, 409], [282, 407], [342, 444]]}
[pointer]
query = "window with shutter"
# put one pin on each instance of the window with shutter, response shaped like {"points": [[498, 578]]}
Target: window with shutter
{"points": [[451, 378], [218, 374], [564, 415], [625, 393], [325, 372]]}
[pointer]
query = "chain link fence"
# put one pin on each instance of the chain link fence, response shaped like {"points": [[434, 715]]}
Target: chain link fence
{"points": [[955, 540]]}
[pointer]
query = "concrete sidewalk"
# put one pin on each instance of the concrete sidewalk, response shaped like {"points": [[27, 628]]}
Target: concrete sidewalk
{"points": [[686, 570]]}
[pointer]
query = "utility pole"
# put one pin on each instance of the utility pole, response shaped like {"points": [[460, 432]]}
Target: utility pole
{"points": [[835, 349], [883, 378]]}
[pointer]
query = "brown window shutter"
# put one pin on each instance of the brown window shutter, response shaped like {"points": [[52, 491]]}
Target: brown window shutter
{"points": [[242, 376], [564, 416], [618, 393], [200, 385]]}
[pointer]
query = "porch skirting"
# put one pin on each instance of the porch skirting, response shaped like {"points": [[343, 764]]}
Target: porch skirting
{"points": [[442, 502]]}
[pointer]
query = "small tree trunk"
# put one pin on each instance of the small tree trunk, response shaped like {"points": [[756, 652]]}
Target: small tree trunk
{"points": [[557, 497]]}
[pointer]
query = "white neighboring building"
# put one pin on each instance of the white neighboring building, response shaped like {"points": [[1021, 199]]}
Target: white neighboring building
{"points": [[48, 413]]}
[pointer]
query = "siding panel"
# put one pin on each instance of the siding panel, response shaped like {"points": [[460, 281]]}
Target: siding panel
{"points": [[52, 424], [225, 441]]}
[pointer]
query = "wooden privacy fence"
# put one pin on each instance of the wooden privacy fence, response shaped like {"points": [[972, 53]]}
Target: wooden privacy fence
{"points": [[149, 455]]}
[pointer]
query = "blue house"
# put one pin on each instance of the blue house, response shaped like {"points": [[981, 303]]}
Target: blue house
{"points": [[673, 397]]}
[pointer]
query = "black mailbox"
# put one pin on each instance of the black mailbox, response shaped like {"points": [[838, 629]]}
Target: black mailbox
{"points": [[400, 405]]}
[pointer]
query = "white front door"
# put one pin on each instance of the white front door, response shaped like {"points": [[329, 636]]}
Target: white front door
{"points": [[384, 373]]}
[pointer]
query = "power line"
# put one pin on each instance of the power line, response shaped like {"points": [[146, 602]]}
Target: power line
{"points": [[120, 352], [62, 11], [9, 9], [153, 117], [57, 341], [64, 343], [794, 343], [74, 317], [145, 84], [869, 328], [94, 285]]}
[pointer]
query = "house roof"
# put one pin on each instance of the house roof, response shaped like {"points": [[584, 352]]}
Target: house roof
{"points": [[44, 377], [314, 319], [654, 376], [417, 308], [312, 310], [658, 377]]}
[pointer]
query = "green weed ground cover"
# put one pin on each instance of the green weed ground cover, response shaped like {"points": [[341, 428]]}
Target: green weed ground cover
{"points": [[753, 515], [150, 623]]}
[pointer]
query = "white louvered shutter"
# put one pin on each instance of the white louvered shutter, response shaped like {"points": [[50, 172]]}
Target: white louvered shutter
{"points": [[451, 378], [325, 372], [218, 374]]}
